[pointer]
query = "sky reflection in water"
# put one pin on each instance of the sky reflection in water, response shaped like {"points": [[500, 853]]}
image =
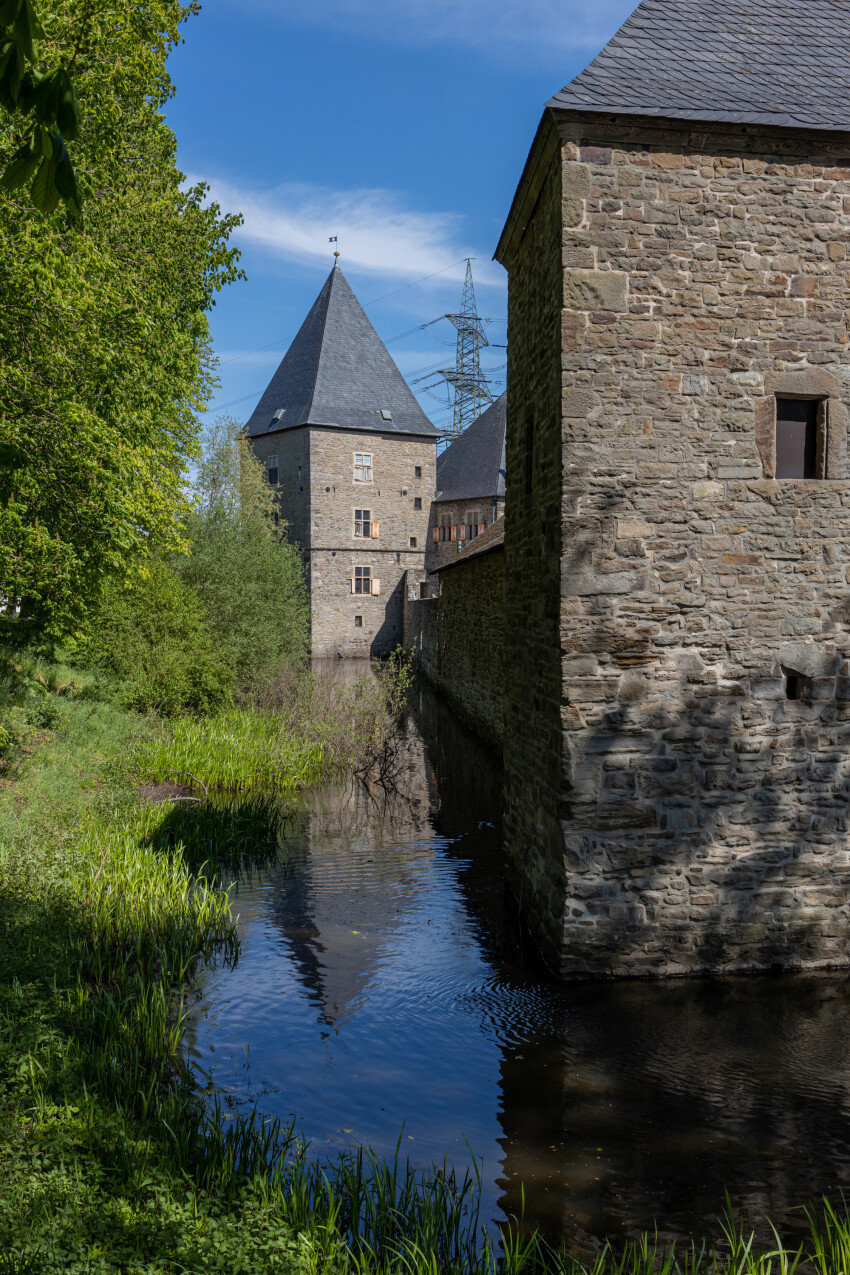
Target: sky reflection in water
{"points": [[385, 988]]}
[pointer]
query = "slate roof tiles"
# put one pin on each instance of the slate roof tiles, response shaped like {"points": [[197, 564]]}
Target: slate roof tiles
{"points": [[338, 372], [473, 466], [773, 62]]}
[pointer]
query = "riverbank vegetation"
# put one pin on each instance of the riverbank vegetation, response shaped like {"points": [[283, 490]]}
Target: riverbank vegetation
{"points": [[111, 1159]]}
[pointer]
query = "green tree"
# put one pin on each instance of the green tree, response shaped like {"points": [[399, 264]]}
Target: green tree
{"points": [[105, 357], [247, 574], [151, 633], [43, 101]]}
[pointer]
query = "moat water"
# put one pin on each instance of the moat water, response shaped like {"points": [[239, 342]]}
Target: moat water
{"points": [[386, 989]]}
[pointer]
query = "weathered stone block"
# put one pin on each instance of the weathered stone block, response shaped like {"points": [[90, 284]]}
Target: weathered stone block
{"points": [[596, 290]]}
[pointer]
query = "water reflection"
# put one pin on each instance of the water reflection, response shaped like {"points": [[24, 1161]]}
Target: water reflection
{"points": [[385, 984]]}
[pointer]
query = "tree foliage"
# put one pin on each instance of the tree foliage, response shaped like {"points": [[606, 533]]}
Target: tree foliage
{"points": [[104, 341], [45, 103], [247, 574], [151, 633]]}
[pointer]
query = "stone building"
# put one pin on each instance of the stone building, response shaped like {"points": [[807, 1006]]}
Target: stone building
{"points": [[352, 456], [456, 633], [470, 492], [677, 526]]}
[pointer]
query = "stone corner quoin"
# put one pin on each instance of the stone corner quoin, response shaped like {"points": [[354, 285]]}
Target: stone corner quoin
{"points": [[677, 789]]}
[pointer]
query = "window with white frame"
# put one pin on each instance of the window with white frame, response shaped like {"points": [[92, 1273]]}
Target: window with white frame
{"points": [[445, 526], [362, 467], [364, 582], [474, 524], [363, 523], [271, 470]]}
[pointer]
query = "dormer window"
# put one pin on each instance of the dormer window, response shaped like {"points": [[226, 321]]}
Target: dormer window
{"points": [[386, 414], [279, 414], [271, 470]]}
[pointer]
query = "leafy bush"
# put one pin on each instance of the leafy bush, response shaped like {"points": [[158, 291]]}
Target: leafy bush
{"points": [[151, 633], [248, 576]]}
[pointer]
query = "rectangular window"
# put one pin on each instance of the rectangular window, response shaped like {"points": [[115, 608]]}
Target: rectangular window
{"points": [[358, 621], [797, 441], [446, 527], [417, 472], [362, 467], [417, 502], [413, 542], [363, 523], [271, 470], [362, 582], [473, 524]]}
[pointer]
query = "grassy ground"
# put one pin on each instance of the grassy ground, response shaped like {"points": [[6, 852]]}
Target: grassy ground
{"points": [[108, 1160]]}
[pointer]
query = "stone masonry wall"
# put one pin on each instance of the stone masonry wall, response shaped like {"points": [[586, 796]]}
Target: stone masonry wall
{"points": [[458, 639], [335, 551], [703, 811], [318, 495], [532, 661]]}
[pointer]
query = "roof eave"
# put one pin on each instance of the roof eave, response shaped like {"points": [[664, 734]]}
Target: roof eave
{"points": [[543, 150], [434, 435], [470, 557], [613, 117]]}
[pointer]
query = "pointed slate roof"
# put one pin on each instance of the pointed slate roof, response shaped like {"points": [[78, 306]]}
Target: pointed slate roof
{"points": [[473, 466], [338, 372], [775, 62]]}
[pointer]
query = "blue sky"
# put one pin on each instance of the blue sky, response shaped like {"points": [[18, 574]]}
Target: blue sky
{"points": [[399, 125]]}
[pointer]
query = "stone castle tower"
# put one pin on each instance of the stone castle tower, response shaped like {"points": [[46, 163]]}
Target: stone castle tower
{"points": [[353, 458], [677, 526]]}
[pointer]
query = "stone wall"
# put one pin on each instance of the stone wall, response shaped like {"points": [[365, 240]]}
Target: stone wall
{"points": [[458, 639], [532, 705], [702, 811], [318, 497]]}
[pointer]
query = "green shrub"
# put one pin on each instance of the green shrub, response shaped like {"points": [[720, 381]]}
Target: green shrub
{"points": [[151, 633], [248, 576]]}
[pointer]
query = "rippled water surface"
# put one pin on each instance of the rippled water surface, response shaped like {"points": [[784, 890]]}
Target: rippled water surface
{"points": [[385, 989]]}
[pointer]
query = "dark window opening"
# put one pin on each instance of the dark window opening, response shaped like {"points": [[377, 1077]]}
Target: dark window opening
{"points": [[417, 502], [413, 542], [797, 438], [417, 471], [424, 589], [797, 687], [358, 621]]}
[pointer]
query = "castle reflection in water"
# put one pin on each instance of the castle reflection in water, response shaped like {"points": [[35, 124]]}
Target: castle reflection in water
{"points": [[386, 989]]}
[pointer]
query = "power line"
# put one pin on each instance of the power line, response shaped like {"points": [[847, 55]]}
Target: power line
{"points": [[260, 348]]}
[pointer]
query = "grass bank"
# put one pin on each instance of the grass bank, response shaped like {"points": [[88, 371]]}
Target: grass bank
{"points": [[108, 1160]]}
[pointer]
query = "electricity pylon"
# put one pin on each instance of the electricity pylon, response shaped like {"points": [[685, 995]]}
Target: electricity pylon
{"points": [[471, 387]]}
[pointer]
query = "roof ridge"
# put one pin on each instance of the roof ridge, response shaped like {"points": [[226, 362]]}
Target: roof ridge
{"points": [[329, 283]]}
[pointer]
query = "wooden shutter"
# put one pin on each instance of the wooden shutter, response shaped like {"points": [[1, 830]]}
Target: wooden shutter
{"points": [[375, 529], [480, 527], [353, 590], [376, 586], [436, 535], [463, 531], [454, 533]]}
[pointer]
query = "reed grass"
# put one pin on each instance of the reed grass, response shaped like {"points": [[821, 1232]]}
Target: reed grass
{"points": [[238, 751], [110, 1161]]}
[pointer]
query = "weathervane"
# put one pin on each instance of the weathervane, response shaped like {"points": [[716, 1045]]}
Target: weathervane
{"points": [[333, 239]]}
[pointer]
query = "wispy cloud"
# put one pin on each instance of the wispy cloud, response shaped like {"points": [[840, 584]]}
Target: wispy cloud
{"points": [[500, 27], [376, 232]]}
